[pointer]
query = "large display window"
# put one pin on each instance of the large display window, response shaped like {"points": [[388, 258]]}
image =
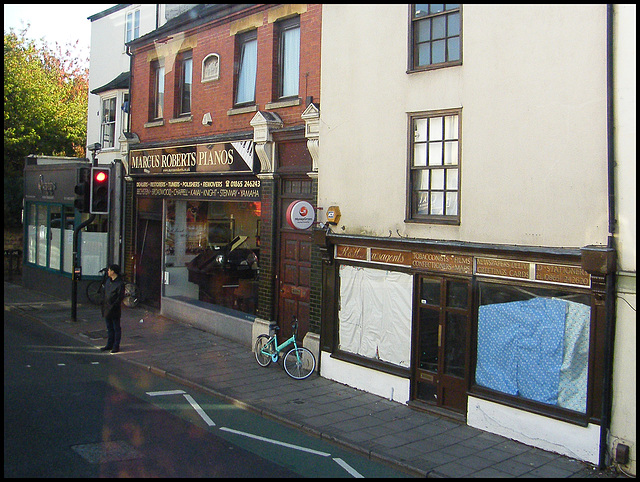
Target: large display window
{"points": [[211, 252]]}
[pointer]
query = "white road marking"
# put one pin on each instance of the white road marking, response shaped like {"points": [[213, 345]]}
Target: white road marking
{"points": [[198, 409], [353, 472], [166, 392], [276, 442]]}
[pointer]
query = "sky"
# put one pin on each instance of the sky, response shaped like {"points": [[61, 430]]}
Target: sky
{"points": [[56, 23]]}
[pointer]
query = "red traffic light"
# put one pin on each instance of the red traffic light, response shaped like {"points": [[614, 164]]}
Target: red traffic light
{"points": [[101, 176]]}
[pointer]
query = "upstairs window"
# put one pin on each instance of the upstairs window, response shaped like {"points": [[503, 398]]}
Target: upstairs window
{"points": [[108, 125], [435, 167], [247, 67], [133, 26], [288, 57], [157, 90], [185, 84], [435, 35]]}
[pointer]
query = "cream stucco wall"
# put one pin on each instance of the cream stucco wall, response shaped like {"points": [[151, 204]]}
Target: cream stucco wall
{"points": [[532, 88]]}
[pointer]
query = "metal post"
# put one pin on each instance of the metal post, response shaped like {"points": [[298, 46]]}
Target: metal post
{"points": [[75, 276]]}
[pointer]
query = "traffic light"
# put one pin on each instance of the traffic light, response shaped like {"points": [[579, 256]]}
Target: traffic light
{"points": [[99, 203], [81, 189]]}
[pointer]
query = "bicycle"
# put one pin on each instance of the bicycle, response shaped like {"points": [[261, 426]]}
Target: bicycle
{"points": [[95, 291], [299, 362]]}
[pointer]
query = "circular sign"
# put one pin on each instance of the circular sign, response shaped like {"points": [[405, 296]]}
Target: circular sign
{"points": [[300, 215]]}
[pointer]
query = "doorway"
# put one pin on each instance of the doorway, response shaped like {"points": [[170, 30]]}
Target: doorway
{"points": [[441, 374]]}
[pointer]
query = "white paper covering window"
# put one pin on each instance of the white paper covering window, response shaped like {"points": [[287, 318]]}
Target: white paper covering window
{"points": [[375, 314]]}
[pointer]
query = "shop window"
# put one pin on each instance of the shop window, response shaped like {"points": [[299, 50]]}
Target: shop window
{"points": [[435, 35], [288, 58], [435, 168], [533, 343], [108, 126], [212, 252], [247, 65], [49, 242], [374, 320]]}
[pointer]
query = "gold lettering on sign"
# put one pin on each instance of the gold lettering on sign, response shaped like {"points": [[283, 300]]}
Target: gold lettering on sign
{"points": [[450, 263], [351, 252], [391, 257], [502, 267], [562, 274]]}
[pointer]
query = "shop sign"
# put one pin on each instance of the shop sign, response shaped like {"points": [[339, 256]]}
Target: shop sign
{"points": [[389, 256], [215, 158], [351, 252], [572, 275], [503, 267], [448, 263], [236, 189], [300, 215]]}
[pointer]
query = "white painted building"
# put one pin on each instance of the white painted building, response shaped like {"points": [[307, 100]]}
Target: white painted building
{"points": [[466, 149]]}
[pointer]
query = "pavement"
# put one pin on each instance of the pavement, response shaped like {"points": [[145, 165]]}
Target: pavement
{"points": [[418, 443]]}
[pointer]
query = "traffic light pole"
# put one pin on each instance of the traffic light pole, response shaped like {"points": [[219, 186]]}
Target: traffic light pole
{"points": [[77, 269]]}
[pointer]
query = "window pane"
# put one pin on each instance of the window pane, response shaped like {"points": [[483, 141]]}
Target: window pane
{"points": [[159, 107], [452, 179], [435, 128], [437, 203], [435, 154], [420, 130], [421, 179], [453, 24], [438, 30], [455, 345], [247, 74], [291, 62], [453, 45], [451, 153], [421, 9], [437, 179], [424, 54], [451, 127], [430, 292], [422, 202], [436, 7], [457, 294], [186, 86], [420, 155], [452, 204], [437, 52], [428, 343], [423, 31]]}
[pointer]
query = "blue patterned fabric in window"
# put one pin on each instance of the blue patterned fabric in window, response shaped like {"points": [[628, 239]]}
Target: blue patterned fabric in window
{"points": [[520, 348]]}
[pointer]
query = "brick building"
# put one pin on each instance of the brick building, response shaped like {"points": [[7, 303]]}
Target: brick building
{"points": [[220, 160]]}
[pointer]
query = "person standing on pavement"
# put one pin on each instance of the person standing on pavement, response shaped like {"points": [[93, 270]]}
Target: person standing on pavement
{"points": [[111, 308]]}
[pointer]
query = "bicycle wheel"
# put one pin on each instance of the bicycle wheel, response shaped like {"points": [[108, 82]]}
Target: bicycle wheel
{"points": [[262, 359], [95, 292], [131, 295], [299, 363]]}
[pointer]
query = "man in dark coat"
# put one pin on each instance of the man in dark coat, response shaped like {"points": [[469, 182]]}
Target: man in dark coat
{"points": [[111, 309]]}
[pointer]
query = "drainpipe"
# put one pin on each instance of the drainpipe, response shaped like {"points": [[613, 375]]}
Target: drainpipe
{"points": [[610, 276]]}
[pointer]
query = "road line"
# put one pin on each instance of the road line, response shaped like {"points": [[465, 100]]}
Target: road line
{"points": [[276, 442], [198, 409], [166, 392], [353, 472]]}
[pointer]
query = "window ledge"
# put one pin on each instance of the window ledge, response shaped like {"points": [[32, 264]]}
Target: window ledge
{"points": [[156, 123], [177, 120], [242, 110], [283, 103]]}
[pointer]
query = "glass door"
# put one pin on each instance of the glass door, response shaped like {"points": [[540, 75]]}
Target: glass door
{"points": [[442, 342]]}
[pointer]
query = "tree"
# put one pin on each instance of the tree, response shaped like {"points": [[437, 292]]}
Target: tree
{"points": [[45, 104]]}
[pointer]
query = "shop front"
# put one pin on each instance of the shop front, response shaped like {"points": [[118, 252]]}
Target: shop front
{"points": [[198, 231], [49, 223], [508, 339]]}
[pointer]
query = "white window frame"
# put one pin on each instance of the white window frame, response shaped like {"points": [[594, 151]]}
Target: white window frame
{"points": [[132, 26], [104, 123]]}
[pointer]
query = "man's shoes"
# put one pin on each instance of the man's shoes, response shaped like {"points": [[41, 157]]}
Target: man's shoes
{"points": [[105, 348], [115, 350]]}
